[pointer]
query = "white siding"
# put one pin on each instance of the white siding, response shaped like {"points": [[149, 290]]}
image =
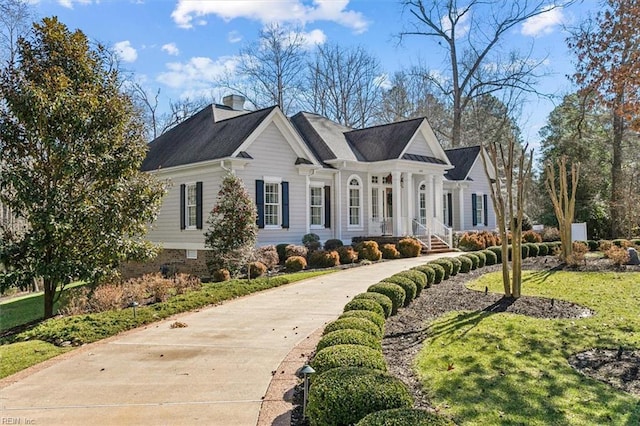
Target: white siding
{"points": [[419, 146], [479, 185]]}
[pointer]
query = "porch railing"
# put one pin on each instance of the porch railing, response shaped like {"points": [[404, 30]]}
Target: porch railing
{"points": [[438, 230]]}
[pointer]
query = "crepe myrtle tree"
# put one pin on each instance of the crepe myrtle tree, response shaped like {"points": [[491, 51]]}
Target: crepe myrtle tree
{"points": [[232, 230], [71, 147]]}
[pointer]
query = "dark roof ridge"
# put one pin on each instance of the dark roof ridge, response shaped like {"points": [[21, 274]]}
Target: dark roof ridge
{"points": [[247, 113], [388, 124]]}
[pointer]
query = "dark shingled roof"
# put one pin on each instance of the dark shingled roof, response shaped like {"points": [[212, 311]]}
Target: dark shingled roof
{"points": [[314, 141], [422, 158], [462, 159], [199, 138], [385, 142]]}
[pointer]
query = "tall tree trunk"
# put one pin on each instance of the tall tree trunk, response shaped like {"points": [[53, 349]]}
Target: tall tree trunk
{"points": [[617, 214], [49, 296]]}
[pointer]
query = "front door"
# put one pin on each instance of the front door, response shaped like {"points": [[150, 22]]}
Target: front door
{"points": [[387, 211]]}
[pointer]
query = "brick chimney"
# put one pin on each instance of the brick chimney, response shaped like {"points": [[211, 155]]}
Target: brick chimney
{"points": [[235, 102]]}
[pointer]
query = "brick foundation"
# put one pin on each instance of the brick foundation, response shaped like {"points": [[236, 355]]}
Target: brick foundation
{"points": [[173, 258]]}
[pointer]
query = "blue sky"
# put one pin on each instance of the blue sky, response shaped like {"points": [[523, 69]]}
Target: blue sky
{"points": [[180, 46]]}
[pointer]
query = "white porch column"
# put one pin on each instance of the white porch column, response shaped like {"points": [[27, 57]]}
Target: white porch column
{"points": [[411, 206], [337, 213], [307, 204], [429, 200], [438, 198], [397, 203], [461, 207]]}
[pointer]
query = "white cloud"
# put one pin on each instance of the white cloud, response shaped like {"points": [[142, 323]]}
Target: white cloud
{"points": [[69, 3], [234, 37], [197, 74], [544, 23], [125, 51], [313, 38], [462, 26], [171, 49], [293, 11]]}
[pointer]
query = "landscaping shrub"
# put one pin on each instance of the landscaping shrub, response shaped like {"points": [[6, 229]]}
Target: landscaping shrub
{"points": [[295, 263], [347, 255], [497, 250], [409, 287], [471, 241], [446, 264], [636, 242], [257, 269], [364, 305], [158, 287], [384, 301], [553, 247], [333, 244], [439, 272], [474, 259], [348, 356], [576, 258], [220, 275], [618, 255], [490, 257], [409, 247], [392, 291], [349, 337], [368, 315], [593, 245], [604, 245], [404, 417], [368, 250], [531, 237], [294, 250], [524, 249], [482, 259], [428, 271], [417, 277], [533, 249], [324, 259], [310, 238], [543, 249], [621, 242], [550, 234], [269, 256], [353, 324], [312, 246], [456, 265], [282, 252], [466, 264], [389, 251], [343, 396]]}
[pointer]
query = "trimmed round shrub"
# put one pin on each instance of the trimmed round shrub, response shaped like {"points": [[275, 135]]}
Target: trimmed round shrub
{"points": [[636, 242], [533, 249], [348, 356], [491, 258], [282, 251], [553, 247], [497, 250], [310, 238], [465, 264], [428, 271], [221, 275], [349, 337], [593, 245], [446, 264], [333, 244], [621, 242], [268, 255], [368, 250], [368, 315], [347, 255], [417, 277], [482, 259], [404, 417], [409, 287], [257, 269], [295, 263], [353, 324], [364, 305], [456, 265], [343, 396], [524, 249], [324, 259], [474, 259], [295, 250], [439, 270], [543, 249], [409, 247], [389, 251], [383, 301], [393, 292]]}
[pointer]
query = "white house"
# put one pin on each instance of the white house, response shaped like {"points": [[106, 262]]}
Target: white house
{"points": [[310, 174]]}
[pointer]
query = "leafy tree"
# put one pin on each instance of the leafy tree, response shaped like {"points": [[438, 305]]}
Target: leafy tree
{"points": [[70, 153], [470, 33], [232, 231], [608, 72]]}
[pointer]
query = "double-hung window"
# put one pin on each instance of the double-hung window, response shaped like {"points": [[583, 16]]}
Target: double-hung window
{"points": [[355, 202], [272, 204], [479, 209], [191, 205], [316, 208]]}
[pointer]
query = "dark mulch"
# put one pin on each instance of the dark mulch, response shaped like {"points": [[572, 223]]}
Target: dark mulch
{"points": [[619, 368]]}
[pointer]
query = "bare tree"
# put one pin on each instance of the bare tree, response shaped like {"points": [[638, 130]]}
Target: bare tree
{"points": [[272, 69], [563, 197], [470, 32], [148, 105], [16, 17], [179, 111], [345, 85]]}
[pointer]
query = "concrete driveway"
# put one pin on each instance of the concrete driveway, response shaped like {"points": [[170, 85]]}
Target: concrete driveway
{"points": [[214, 371]]}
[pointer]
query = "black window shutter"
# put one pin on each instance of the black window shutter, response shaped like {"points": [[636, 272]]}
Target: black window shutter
{"points": [[474, 209], [449, 209], [182, 206], [327, 207], [199, 205], [486, 210], [260, 203], [285, 204]]}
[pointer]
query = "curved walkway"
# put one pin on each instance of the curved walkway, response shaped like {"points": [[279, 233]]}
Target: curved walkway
{"points": [[214, 371]]}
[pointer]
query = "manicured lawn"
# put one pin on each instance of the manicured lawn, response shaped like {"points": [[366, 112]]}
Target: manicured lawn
{"points": [[36, 344], [507, 369]]}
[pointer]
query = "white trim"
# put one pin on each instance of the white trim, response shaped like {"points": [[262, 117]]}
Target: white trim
{"points": [[320, 186], [360, 187], [271, 179], [191, 254], [187, 226]]}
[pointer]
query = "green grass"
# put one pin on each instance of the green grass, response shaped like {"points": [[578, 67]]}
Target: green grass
{"points": [[39, 342], [24, 309], [510, 369]]}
